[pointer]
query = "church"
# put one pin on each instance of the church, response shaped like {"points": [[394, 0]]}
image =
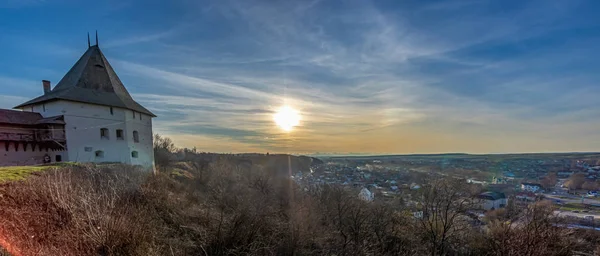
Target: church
{"points": [[87, 117]]}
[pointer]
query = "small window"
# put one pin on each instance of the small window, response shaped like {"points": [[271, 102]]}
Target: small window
{"points": [[111, 111], [140, 116], [88, 149], [120, 134], [134, 154], [136, 137], [104, 134], [133, 112], [99, 154], [58, 158], [44, 107]]}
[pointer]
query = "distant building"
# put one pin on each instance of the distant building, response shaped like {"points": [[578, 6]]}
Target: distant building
{"points": [[499, 180], [564, 174], [492, 200], [525, 196], [533, 187], [474, 181], [418, 214], [366, 195]]}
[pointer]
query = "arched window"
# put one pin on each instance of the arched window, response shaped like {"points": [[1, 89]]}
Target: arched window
{"points": [[136, 136], [120, 135], [134, 154], [99, 154], [104, 134]]}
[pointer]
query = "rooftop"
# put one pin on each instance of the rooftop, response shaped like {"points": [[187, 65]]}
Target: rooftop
{"points": [[16, 117], [92, 80], [492, 195]]}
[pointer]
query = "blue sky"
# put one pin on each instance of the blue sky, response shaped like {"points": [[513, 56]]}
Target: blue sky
{"points": [[367, 76]]}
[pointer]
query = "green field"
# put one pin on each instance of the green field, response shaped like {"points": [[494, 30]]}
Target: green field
{"points": [[575, 207], [16, 173]]}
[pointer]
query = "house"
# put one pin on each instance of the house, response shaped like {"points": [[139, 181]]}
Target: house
{"points": [[564, 174], [492, 200], [415, 186], [525, 196], [89, 116], [533, 187], [366, 195], [27, 138]]}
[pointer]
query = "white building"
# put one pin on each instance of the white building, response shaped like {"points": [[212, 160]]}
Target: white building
{"points": [[533, 187], [366, 195], [93, 112], [492, 200]]}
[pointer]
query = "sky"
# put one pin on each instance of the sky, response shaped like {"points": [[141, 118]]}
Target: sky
{"points": [[367, 77]]}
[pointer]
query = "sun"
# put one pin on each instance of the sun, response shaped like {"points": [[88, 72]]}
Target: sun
{"points": [[286, 118]]}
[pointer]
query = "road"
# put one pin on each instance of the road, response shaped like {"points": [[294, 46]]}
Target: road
{"points": [[578, 215], [563, 197]]}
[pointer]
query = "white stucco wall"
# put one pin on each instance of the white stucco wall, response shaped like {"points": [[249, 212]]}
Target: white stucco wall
{"points": [[495, 204], [83, 124]]}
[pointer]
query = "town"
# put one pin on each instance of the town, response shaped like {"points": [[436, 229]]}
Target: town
{"points": [[569, 181]]}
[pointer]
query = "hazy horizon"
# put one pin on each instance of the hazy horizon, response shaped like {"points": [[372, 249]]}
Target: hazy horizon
{"points": [[378, 77]]}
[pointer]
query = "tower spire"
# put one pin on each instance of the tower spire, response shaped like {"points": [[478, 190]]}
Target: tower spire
{"points": [[89, 40], [96, 37]]}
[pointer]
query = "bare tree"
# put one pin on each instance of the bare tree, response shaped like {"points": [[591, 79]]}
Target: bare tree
{"points": [[549, 181], [163, 150], [575, 181], [444, 203], [537, 231], [590, 185]]}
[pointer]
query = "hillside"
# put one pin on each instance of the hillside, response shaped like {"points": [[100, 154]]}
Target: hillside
{"points": [[229, 206]]}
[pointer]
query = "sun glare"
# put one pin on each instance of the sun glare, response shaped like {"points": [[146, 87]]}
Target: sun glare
{"points": [[287, 118]]}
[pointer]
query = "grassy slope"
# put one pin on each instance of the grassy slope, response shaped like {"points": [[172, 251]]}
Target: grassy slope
{"points": [[15, 173]]}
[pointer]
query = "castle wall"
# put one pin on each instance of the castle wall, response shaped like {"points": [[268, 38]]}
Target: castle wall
{"points": [[83, 132], [26, 156]]}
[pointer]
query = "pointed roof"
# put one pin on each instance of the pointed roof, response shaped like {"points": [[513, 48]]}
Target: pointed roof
{"points": [[92, 80]]}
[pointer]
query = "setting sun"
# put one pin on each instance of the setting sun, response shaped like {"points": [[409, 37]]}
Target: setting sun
{"points": [[286, 118]]}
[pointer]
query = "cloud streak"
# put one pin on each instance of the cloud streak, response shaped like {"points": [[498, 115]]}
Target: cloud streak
{"points": [[379, 77]]}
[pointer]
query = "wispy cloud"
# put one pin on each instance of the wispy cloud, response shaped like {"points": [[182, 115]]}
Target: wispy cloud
{"points": [[382, 77]]}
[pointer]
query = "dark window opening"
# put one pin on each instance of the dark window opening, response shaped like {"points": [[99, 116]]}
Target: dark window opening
{"points": [[44, 107], [120, 134], [134, 154], [111, 111], [136, 137], [58, 158], [99, 154], [133, 112], [104, 134]]}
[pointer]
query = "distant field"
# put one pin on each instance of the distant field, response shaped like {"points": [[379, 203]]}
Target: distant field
{"points": [[577, 155]]}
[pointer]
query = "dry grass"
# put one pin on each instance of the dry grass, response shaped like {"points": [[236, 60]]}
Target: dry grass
{"points": [[216, 209]]}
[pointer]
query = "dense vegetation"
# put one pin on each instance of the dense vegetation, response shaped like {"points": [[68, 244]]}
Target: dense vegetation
{"points": [[222, 207], [219, 209]]}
